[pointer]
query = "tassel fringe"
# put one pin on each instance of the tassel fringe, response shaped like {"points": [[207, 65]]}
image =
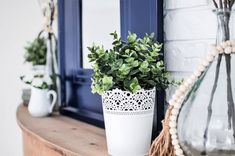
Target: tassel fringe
{"points": [[162, 145]]}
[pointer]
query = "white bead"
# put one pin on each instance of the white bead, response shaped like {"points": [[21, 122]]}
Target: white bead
{"points": [[186, 84], [178, 151], [214, 52], [201, 68], [193, 78], [205, 63], [172, 124], [223, 45], [232, 42], [210, 58], [177, 147], [189, 81], [233, 49], [177, 105], [175, 111], [228, 50], [175, 142], [178, 92], [228, 43], [180, 100], [182, 88], [174, 136], [172, 102], [197, 73], [175, 97], [220, 49], [173, 118], [173, 131]]}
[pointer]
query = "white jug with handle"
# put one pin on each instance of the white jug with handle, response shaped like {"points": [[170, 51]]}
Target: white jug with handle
{"points": [[40, 104]]}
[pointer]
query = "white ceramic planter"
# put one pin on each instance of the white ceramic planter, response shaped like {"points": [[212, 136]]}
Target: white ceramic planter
{"points": [[39, 68], [128, 121], [39, 103]]}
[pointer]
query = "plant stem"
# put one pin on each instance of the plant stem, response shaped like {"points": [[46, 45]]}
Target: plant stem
{"points": [[224, 19], [216, 5], [220, 4], [229, 93], [209, 108]]}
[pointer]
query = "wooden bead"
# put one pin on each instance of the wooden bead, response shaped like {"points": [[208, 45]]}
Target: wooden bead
{"points": [[174, 136], [175, 111], [175, 97], [228, 50], [214, 52], [172, 102], [180, 100], [173, 131], [186, 84], [228, 43], [177, 105], [233, 49], [173, 118], [197, 73], [223, 45], [189, 81], [201, 68], [178, 93], [172, 124], [193, 77], [220, 49], [232, 42], [205, 63], [175, 142], [182, 88], [210, 58], [177, 147], [178, 151]]}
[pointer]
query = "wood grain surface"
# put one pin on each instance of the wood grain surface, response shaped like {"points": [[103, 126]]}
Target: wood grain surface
{"points": [[58, 135]]}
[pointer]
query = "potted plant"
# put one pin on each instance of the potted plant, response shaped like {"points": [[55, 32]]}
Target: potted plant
{"points": [[36, 52], [39, 103], [126, 76]]}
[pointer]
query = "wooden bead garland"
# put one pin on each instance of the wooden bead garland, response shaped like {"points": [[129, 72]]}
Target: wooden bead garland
{"points": [[226, 47]]}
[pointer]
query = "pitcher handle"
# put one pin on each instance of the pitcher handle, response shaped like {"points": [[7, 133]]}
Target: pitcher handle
{"points": [[54, 97]]}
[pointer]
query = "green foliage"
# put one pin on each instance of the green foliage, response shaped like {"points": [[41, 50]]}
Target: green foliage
{"points": [[130, 65], [36, 52]]}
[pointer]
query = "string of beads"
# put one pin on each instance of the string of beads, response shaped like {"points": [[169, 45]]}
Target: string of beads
{"points": [[226, 48]]}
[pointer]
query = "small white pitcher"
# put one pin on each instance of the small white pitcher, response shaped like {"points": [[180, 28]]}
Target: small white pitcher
{"points": [[40, 104]]}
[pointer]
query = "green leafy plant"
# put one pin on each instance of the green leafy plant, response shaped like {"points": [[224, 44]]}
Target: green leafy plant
{"points": [[36, 51], [38, 80], [131, 65]]}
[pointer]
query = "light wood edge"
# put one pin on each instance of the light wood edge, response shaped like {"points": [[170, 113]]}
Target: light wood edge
{"points": [[52, 146]]}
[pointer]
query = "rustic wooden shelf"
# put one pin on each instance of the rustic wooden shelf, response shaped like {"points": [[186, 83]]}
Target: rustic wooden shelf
{"points": [[58, 135]]}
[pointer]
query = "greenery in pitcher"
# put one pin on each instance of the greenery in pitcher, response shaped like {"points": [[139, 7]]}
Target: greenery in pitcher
{"points": [[131, 65], [38, 80], [36, 51]]}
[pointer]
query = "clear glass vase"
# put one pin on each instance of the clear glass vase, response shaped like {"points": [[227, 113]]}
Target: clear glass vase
{"points": [[206, 123]]}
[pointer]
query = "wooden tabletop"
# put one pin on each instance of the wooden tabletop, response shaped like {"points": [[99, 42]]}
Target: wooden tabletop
{"points": [[64, 135]]}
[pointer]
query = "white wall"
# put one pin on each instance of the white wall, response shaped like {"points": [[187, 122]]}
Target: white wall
{"points": [[189, 28], [20, 22]]}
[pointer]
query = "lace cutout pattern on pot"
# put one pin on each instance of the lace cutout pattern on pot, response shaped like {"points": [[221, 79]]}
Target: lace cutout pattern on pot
{"points": [[122, 102]]}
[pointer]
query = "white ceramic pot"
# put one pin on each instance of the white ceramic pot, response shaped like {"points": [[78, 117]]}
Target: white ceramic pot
{"points": [[128, 121], [40, 104], [39, 68]]}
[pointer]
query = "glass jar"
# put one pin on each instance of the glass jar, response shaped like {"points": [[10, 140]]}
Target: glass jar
{"points": [[206, 123]]}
